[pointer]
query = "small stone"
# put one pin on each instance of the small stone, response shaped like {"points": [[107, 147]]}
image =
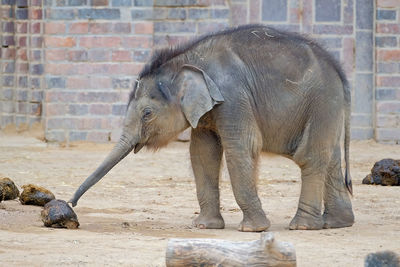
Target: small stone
{"points": [[58, 214], [382, 258], [35, 195], [8, 189]]}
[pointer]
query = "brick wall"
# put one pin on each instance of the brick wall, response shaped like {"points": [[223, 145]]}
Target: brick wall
{"points": [[92, 50], [21, 64], [387, 93]]}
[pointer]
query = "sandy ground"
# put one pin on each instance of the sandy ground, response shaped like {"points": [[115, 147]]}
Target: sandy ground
{"points": [[149, 197]]}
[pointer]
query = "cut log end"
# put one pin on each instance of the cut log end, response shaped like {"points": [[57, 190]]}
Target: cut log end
{"points": [[214, 252]]}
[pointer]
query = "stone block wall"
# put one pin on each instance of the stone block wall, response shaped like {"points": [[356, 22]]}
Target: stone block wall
{"points": [[70, 64]]}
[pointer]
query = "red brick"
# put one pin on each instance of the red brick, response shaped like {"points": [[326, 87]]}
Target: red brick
{"points": [[255, 11], [124, 95], [36, 2], [77, 55], [239, 13], [99, 2], [144, 28], [55, 54], [22, 41], [78, 83], [121, 56], [22, 27], [100, 109], [388, 121], [393, 28], [36, 13], [203, 2], [8, 53], [294, 15], [98, 137], [36, 109], [121, 27], [5, 12], [388, 81], [22, 67], [100, 82], [91, 42], [218, 2], [129, 68], [388, 3], [348, 54], [22, 54], [36, 41], [35, 27], [55, 109], [79, 27], [60, 68], [35, 55], [99, 68], [90, 123], [60, 96], [102, 97], [332, 29], [51, 41], [307, 19], [388, 107], [137, 42], [389, 55], [54, 28], [99, 55], [205, 27], [100, 28]]}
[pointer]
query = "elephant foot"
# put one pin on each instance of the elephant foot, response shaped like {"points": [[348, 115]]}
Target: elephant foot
{"points": [[305, 221], [209, 222], [332, 219], [254, 224]]}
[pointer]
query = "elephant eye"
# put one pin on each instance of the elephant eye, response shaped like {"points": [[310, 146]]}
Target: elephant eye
{"points": [[146, 114]]}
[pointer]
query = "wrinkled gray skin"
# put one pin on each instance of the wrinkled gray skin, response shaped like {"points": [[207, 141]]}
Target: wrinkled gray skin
{"points": [[244, 91]]}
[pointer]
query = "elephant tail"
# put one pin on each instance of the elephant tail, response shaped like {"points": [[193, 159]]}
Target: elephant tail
{"points": [[347, 114]]}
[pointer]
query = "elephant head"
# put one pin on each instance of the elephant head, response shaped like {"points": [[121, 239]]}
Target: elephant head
{"points": [[164, 103]]}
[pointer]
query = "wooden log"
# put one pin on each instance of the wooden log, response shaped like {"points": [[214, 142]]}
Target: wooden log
{"points": [[215, 252]]}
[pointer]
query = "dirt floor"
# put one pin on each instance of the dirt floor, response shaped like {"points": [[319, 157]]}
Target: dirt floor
{"points": [[128, 217]]}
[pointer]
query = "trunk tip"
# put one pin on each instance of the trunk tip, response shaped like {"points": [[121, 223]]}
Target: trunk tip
{"points": [[72, 202]]}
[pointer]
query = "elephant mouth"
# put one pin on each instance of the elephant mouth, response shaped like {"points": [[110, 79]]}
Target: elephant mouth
{"points": [[138, 147]]}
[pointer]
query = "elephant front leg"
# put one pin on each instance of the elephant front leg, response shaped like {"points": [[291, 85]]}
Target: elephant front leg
{"points": [[242, 167], [206, 154]]}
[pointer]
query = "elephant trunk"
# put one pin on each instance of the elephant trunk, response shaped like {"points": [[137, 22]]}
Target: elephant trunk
{"points": [[120, 151]]}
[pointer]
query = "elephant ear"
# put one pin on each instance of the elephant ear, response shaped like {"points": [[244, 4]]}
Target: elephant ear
{"points": [[199, 93]]}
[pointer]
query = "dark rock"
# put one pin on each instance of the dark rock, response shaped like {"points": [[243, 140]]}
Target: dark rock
{"points": [[35, 195], [58, 214], [384, 172], [383, 258], [8, 189]]}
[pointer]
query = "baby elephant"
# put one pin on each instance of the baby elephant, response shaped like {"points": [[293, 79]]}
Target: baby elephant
{"points": [[243, 91]]}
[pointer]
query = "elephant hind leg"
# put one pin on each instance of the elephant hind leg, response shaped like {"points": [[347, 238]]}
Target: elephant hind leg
{"points": [[312, 156], [338, 209], [308, 215]]}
